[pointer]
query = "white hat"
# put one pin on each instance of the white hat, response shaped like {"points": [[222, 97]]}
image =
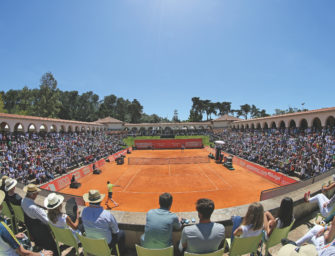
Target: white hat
{"points": [[305, 250], [53, 200], [31, 188], [10, 183], [2, 196]]}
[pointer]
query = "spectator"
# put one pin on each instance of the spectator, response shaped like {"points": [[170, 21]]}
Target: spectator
{"points": [[325, 204], [284, 219], [53, 203], [252, 224], [9, 243], [159, 224], [36, 220], [12, 197], [206, 236], [100, 223]]}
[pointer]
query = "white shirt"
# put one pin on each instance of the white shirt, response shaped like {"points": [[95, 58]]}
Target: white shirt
{"points": [[33, 211]]}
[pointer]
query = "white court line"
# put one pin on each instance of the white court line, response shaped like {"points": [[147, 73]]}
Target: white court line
{"points": [[219, 176], [178, 192], [131, 180], [208, 177], [169, 170]]}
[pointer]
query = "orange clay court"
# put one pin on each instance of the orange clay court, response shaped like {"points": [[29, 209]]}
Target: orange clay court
{"points": [[141, 185]]}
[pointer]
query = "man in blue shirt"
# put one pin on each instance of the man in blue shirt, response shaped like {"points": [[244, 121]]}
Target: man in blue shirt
{"points": [[160, 224]]}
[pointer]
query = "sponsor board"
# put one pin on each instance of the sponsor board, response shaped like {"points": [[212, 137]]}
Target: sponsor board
{"points": [[65, 180], [168, 143]]}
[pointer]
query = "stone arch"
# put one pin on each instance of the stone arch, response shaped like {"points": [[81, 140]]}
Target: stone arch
{"points": [[273, 125], [62, 128], [282, 125], [4, 127], [330, 121], [142, 131], [134, 129], [316, 123], [18, 127], [53, 128], [82, 129], [76, 128], [43, 128], [69, 128], [265, 125], [292, 124], [247, 126], [303, 124], [258, 126], [32, 128], [168, 130], [253, 126]]}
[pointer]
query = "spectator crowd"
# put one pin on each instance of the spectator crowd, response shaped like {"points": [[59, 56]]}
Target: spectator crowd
{"points": [[303, 153], [31, 156]]}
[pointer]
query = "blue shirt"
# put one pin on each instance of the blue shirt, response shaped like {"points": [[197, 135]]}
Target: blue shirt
{"points": [[99, 223], [8, 243], [158, 228]]}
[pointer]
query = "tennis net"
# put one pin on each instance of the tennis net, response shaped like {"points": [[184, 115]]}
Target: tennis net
{"points": [[164, 161]]}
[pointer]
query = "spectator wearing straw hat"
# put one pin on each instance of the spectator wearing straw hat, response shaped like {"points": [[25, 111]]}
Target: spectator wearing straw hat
{"points": [[29, 207], [9, 243], [53, 203], [36, 220], [3, 179], [11, 196], [100, 223]]}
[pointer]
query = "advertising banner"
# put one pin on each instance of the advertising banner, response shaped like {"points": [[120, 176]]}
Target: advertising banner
{"points": [[65, 180], [168, 143]]}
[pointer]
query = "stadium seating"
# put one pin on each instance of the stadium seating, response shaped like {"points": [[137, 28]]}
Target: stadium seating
{"points": [[97, 247], [276, 236], [64, 236], [141, 251], [216, 253], [244, 245]]}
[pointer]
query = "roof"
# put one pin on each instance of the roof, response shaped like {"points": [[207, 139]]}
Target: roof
{"points": [[109, 120], [290, 114], [37, 118], [227, 118]]}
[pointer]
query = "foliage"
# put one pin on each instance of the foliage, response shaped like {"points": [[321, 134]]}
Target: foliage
{"points": [[289, 110], [2, 105]]}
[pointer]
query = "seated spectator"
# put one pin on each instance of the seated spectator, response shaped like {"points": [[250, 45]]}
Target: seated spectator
{"points": [[325, 204], [206, 236], [284, 219], [252, 224], [36, 220], [3, 180], [100, 223], [160, 224], [12, 197], [9, 243], [53, 203]]}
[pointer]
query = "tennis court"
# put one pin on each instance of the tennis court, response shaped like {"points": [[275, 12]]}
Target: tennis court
{"points": [[142, 184]]}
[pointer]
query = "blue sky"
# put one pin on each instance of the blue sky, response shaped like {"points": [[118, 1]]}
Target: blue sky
{"points": [[271, 53]]}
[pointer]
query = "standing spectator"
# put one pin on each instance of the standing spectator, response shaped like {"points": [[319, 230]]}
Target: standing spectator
{"points": [[206, 236], [159, 224], [100, 223]]}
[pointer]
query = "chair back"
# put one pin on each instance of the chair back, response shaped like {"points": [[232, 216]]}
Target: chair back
{"points": [[277, 235], [98, 247], [141, 251], [216, 253], [65, 236], [245, 245], [18, 213], [6, 212]]}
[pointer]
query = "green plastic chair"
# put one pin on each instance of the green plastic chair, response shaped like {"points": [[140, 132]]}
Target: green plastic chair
{"points": [[97, 247], [141, 251], [276, 236], [64, 236], [243, 245], [6, 212], [19, 217], [216, 253]]}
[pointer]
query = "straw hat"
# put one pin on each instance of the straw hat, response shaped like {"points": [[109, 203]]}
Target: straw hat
{"points": [[31, 188], [93, 196], [10, 183], [290, 250], [2, 196], [53, 200], [3, 178]]}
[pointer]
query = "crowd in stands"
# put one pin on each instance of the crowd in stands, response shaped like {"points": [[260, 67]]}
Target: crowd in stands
{"points": [[30, 156], [304, 153]]}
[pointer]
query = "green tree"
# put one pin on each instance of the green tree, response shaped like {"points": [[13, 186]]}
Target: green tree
{"points": [[108, 106], [175, 118], [196, 110], [135, 111], [48, 103], [88, 105], [254, 112], [2, 105], [223, 107], [69, 105], [245, 110]]}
